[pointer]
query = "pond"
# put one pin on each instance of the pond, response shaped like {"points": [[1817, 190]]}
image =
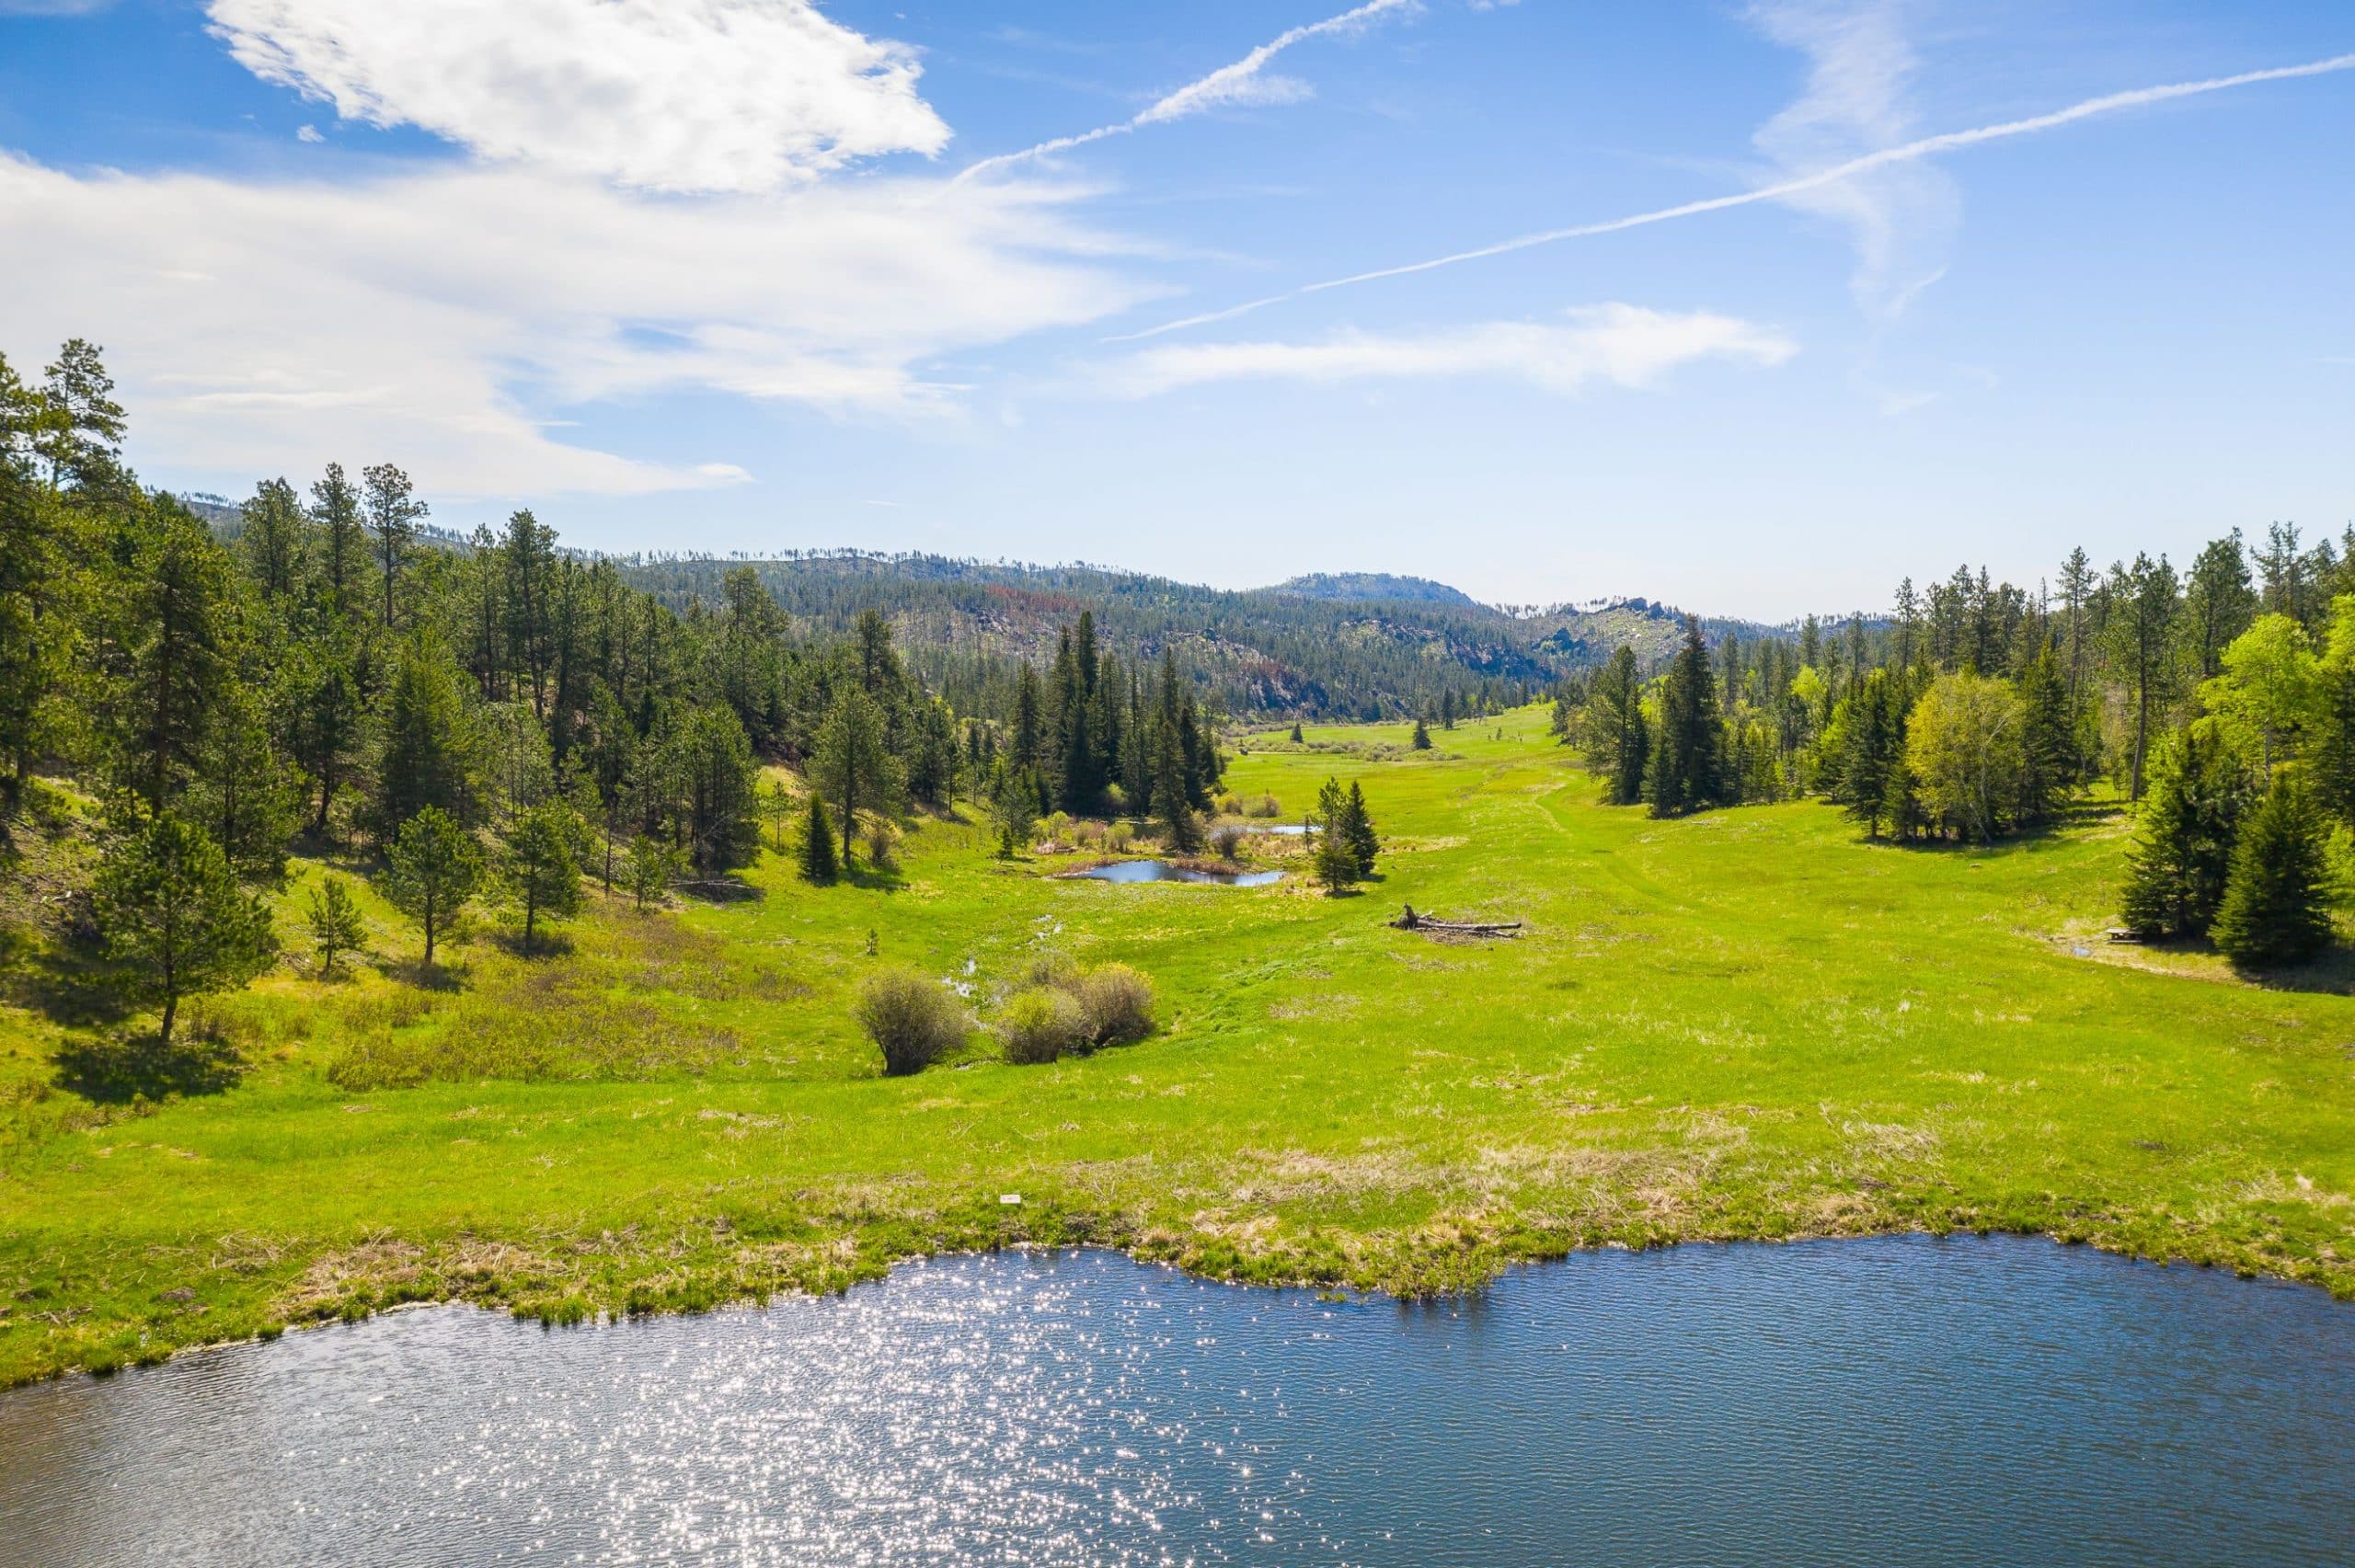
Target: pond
{"points": [[1893, 1400], [1164, 871]]}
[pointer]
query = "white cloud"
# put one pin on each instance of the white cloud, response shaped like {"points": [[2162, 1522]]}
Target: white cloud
{"points": [[1243, 82], [308, 134], [660, 95], [268, 328], [1903, 215], [1622, 345]]}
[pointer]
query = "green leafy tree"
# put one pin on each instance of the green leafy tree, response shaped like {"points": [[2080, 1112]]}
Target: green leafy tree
{"points": [[539, 863], [171, 908], [2275, 910], [2185, 831], [1964, 751], [335, 926], [819, 864], [435, 868], [2269, 687]]}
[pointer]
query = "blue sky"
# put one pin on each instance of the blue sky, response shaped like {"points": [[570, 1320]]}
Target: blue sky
{"points": [[751, 274]]}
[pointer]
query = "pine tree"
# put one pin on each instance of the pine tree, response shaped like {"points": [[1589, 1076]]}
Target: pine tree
{"points": [[1421, 740], [818, 863], [2275, 910], [653, 866], [1171, 799], [853, 764], [1363, 842], [171, 908], [272, 536], [1335, 855], [1295, 733], [1871, 754], [1616, 737], [2186, 828], [2333, 751], [393, 511], [539, 863], [2049, 739], [434, 868], [1688, 759], [335, 927], [342, 555], [1014, 806], [425, 755]]}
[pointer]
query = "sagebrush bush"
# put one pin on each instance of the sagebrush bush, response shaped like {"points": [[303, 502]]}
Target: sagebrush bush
{"points": [[1228, 842], [1265, 805], [1050, 969], [1040, 1025], [1115, 1003], [913, 1020]]}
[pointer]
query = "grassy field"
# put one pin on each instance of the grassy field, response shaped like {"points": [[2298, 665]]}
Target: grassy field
{"points": [[1749, 1024]]}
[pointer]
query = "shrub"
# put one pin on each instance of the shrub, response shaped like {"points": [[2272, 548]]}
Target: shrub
{"points": [[1088, 832], [1265, 805], [1115, 1003], [1052, 969], [1119, 837], [1040, 1024], [911, 1020], [1228, 842]]}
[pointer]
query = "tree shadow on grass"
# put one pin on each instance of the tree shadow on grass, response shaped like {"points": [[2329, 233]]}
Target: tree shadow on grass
{"points": [[719, 891], [2329, 973], [69, 986], [114, 1073], [435, 976]]}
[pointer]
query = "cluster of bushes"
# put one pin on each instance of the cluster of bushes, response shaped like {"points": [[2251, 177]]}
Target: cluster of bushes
{"points": [[1060, 1009]]}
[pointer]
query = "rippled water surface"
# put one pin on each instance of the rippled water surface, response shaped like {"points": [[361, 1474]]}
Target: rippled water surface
{"points": [[1163, 871], [1901, 1401]]}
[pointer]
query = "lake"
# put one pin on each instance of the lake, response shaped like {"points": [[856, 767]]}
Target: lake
{"points": [[1163, 871], [1904, 1399]]}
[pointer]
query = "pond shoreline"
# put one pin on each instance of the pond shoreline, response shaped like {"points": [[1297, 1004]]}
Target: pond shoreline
{"points": [[1429, 1273]]}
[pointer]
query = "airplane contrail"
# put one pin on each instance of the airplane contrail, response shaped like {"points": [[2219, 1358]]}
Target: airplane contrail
{"points": [[1906, 153], [1225, 84]]}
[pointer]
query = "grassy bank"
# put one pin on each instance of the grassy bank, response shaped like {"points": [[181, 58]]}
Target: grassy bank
{"points": [[1748, 1023]]}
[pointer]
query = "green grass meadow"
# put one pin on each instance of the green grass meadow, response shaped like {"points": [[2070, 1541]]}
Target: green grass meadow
{"points": [[1750, 1023]]}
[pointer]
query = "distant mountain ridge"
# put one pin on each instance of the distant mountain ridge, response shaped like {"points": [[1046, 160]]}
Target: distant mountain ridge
{"points": [[1340, 644], [1373, 588]]}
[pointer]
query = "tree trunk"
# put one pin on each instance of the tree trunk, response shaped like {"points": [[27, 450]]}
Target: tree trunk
{"points": [[171, 1008]]}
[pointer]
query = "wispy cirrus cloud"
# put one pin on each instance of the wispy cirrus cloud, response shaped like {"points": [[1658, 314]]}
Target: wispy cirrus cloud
{"points": [[1615, 344], [658, 95], [1790, 190], [1246, 81]]}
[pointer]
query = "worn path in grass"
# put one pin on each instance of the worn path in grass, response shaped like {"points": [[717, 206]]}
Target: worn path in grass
{"points": [[1749, 1024]]}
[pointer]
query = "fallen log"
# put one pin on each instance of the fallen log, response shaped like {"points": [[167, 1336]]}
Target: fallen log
{"points": [[1410, 920]]}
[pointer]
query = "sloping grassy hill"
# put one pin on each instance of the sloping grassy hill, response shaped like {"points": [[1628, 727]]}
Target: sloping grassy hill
{"points": [[1748, 1023]]}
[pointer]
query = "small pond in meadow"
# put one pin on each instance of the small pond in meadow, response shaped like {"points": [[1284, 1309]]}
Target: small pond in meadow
{"points": [[1893, 1400], [1164, 871]]}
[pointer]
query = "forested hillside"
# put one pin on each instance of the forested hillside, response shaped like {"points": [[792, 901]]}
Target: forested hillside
{"points": [[1354, 647]]}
